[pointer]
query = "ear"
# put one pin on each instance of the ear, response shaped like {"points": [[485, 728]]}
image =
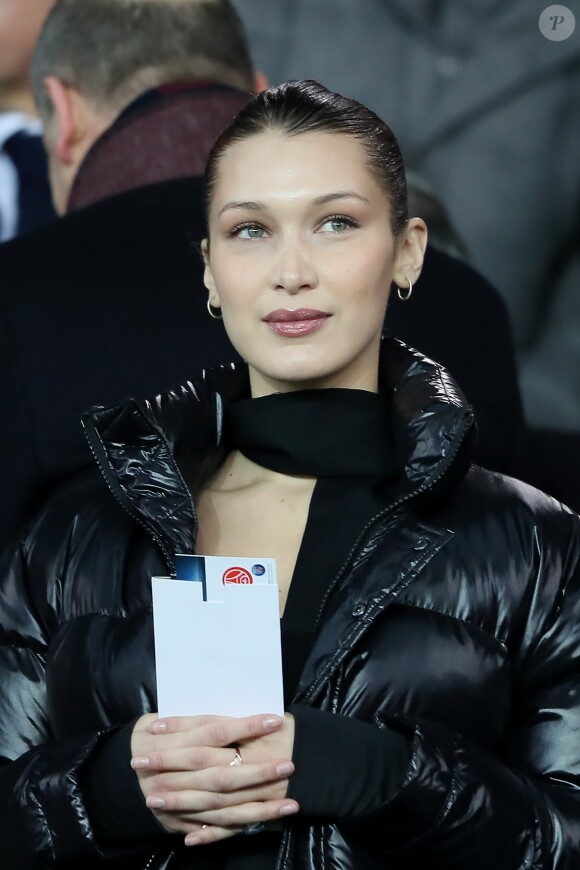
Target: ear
{"points": [[261, 83], [208, 275], [410, 253], [68, 128]]}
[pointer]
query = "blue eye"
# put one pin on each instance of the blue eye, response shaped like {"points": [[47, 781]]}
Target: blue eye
{"points": [[249, 231], [337, 225]]}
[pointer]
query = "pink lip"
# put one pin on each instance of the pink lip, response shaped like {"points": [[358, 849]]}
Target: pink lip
{"points": [[302, 321], [283, 315]]}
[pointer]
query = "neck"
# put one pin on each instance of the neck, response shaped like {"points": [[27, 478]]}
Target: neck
{"points": [[366, 379], [238, 472], [310, 434]]}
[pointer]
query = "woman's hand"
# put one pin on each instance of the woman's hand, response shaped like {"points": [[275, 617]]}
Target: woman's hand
{"points": [[184, 766]]}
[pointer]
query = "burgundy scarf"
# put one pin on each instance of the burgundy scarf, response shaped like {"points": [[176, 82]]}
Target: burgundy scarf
{"points": [[164, 134]]}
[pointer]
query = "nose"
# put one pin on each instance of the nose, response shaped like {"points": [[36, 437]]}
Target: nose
{"points": [[294, 270]]}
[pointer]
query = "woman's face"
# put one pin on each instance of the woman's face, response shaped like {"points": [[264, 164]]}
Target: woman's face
{"points": [[301, 260]]}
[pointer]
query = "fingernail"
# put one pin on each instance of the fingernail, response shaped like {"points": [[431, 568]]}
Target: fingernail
{"points": [[191, 840], [158, 726], [285, 768], [288, 809], [139, 762], [271, 722], [155, 803]]}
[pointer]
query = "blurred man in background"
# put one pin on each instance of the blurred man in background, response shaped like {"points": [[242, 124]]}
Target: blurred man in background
{"points": [[108, 301]]}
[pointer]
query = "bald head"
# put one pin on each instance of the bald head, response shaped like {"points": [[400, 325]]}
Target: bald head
{"points": [[20, 23], [113, 50]]}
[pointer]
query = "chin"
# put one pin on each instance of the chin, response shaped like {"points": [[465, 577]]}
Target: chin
{"points": [[302, 378]]}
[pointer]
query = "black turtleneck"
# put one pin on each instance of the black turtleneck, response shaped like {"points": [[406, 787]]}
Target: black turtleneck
{"points": [[334, 433], [342, 438]]}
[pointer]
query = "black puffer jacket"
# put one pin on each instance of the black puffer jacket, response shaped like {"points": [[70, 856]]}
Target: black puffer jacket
{"points": [[456, 620]]}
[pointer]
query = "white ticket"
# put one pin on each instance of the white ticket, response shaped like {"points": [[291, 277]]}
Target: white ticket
{"points": [[217, 638]]}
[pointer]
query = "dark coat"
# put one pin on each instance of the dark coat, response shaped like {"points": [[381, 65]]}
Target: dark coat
{"points": [[105, 303], [456, 622]]}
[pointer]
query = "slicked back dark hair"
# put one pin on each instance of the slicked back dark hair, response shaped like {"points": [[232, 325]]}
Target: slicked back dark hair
{"points": [[297, 107], [113, 50]]}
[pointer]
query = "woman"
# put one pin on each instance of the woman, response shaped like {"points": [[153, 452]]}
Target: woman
{"points": [[430, 641]]}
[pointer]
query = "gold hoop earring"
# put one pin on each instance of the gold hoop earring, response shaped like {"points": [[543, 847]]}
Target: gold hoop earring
{"points": [[405, 295], [211, 314]]}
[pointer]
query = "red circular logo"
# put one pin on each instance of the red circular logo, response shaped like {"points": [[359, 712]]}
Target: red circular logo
{"points": [[237, 576]]}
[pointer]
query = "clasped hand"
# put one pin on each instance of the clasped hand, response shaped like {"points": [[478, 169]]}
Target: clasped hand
{"points": [[184, 769]]}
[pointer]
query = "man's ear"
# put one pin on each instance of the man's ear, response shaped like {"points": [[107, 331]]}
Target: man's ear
{"points": [[409, 257], [261, 83], [67, 124], [208, 274]]}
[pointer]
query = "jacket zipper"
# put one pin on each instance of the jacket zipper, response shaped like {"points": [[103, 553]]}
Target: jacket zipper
{"points": [[374, 520], [283, 853]]}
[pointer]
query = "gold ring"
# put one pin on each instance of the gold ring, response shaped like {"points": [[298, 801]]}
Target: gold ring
{"points": [[237, 759]]}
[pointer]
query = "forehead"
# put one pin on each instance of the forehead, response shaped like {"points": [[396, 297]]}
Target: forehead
{"points": [[272, 163]]}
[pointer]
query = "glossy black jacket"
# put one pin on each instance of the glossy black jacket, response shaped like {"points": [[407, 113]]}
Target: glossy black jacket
{"points": [[456, 619]]}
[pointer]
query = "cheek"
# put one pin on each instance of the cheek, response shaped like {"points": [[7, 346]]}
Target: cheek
{"points": [[368, 281], [237, 285], [369, 265]]}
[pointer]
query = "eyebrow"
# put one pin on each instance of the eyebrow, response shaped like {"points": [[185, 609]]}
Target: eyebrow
{"points": [[252, 205]]}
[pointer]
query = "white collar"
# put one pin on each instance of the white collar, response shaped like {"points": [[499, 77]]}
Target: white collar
{"points": [[16, 122], [11, 123]]}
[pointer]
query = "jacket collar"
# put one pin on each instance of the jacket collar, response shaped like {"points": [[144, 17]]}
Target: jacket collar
{"points": [[147, 450], [164, 134]]}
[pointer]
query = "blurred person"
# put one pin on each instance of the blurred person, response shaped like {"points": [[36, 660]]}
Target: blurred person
{"points": [[25, 200], [487, 111], [430, 632], [108, 301]]}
